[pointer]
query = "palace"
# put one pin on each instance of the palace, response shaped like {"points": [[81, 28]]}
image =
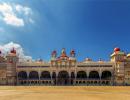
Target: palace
{"points": [[65, 70]]}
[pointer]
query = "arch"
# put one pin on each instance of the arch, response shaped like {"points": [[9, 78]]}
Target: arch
{"points": [[94, 75], [22, 75], [63, 78], [106, 75], [63, 74], [33, 75], [45, 75], [81, 74]]}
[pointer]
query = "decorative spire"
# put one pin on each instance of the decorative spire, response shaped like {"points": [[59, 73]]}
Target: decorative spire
{"points": [[63, 53]]}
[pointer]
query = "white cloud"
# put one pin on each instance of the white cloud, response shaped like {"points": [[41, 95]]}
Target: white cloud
{"points": [[9, 14], [22, 9], [20, 52], [13, 20]]}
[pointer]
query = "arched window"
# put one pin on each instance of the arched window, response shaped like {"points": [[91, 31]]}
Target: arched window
{"points": [[81, 74], [33, 75], [106, 75], [45, 75], [22, 75], [94, 75]]}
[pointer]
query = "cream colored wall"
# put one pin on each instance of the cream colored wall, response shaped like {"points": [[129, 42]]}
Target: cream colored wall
{"points": [[68, 68], [2, 73]]}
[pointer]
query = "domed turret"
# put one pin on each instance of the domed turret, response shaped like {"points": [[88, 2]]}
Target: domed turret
{"points": [[116, 49], [118, 55], [13, 51], [54, 54], [88, 59], [72, 53]]}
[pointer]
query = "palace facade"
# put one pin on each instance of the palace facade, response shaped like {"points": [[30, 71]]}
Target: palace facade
{"points": [[65, 70]]}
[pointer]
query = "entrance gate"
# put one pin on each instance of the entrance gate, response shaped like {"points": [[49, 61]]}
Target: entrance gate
{"points": [[63, 78]]}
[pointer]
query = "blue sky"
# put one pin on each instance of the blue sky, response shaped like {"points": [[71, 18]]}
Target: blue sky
{"points": [[91, 27]]}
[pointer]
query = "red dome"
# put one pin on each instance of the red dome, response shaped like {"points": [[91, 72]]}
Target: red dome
{"points": [[116, 49], [13, 51]]}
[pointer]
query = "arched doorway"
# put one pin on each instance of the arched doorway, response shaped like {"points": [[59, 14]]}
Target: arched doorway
{"points": [[81, 75], [34, 75], [94, 78], [45, 75], [63, 78], [22, 75], [94, 75], [106, 76]]}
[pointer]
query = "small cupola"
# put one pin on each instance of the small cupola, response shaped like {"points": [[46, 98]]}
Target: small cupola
{"points": [[13, 51]]}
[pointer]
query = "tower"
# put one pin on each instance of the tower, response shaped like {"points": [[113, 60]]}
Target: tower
{"points": [[53, 55], [11, 67], [72, 53], [2, 69], [72, 57], [119, 57]]}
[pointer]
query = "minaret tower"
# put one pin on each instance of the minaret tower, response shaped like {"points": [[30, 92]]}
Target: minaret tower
{"points": [[53, 55], [72, 53], [118, 57], [72, 57], [11, 74]]}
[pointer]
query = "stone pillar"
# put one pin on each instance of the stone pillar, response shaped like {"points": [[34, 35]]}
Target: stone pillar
{"points": [[100, 75], [56, 77], [39, 74], [28, 77], [69, 78], [75, 78], [51, 78]]}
